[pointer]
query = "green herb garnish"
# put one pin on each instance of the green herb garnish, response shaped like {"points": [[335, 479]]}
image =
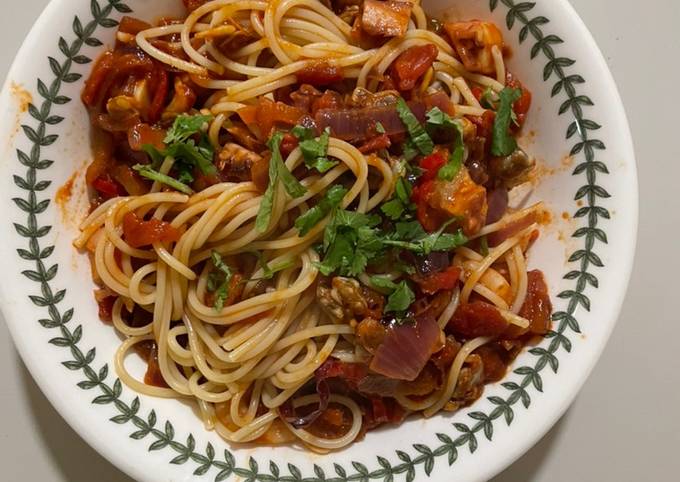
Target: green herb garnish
{"points": [[502, 143], [330, 201], [401, 298], [449, 171], [314, 150], [400, 294], [417, 133], [187, 154], [148, 172], [277, 171], [438, 118], [383, 283], [350, 242], [268, 271], [412, 237], [379, 128], [219, 280], [400, 205], [184, 127]]}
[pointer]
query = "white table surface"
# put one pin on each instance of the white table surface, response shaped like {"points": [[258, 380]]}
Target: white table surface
{"points": [[625, 424]]}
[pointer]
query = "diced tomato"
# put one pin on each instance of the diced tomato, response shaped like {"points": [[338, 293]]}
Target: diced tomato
{"points": [[320, 73], [106, 308], [477, 319], [495, 367], [412, 64], [235, 289], [477, 91], [537, 307], [132, 25], [382, 410], [375, 144], [445, 280], [329, 100], [142, 134], [388, 83], [351, 373], [484, 124], [379, 411], [159, 96], [259, 172], [107, 187], [103, 68], [428, 217], [248, 114], [431, 164], [153, 375], [333, 416], [277, 113], [267, 114], [288, 144], [138, 233]]}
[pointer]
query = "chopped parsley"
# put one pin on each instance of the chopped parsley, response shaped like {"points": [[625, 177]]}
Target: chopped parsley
{"points": [[419, 137], [314, 150], [410, 151], [502, 143], [277, 171], [401, 298], [401, 295], [219, 280], [412, 237], [184, 127], [268, 271], [148, 172], [400, 205], [438, 118], [383, 283], [330, 201], [449, 171], [350, 242], [183, 148], [379, 128]]}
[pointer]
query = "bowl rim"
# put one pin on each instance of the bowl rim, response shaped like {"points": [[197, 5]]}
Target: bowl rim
{"points": [[576, 27]]}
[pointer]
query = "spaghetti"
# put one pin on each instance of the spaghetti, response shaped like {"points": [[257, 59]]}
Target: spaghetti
{"points": [[300, 214]]}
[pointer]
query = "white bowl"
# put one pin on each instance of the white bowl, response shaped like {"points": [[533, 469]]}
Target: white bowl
{"points": [[587, 255]]}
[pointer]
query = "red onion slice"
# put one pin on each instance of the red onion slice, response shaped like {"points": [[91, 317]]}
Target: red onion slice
{"points": [[406, 349]]}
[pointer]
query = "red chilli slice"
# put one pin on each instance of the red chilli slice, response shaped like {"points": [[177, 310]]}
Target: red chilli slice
{"points": [[477, 319]]}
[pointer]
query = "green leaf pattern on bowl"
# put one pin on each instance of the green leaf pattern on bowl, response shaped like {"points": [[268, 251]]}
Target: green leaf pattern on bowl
{"points": [[208, 462]]}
